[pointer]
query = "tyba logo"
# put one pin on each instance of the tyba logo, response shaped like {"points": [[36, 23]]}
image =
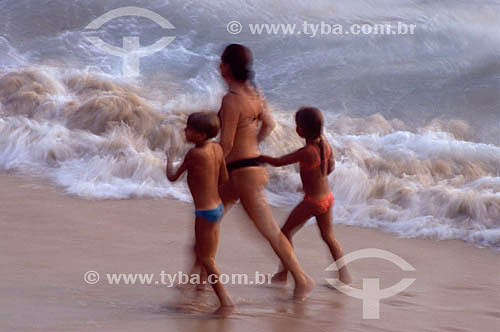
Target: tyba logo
{"points": [[131, 51], [371, 294]]}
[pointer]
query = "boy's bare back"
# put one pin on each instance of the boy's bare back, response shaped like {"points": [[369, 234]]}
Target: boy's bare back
{"points": [[206, 170]]}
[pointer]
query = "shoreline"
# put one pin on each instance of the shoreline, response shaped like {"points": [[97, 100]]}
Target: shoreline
{"points": [[52, 239]]}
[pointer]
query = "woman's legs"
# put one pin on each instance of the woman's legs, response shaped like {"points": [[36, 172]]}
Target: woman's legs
{"points": [[299, 215], [229, 195], [250, 183], [324, 222]]}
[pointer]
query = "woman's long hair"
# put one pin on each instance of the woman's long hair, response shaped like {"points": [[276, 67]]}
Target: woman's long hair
{"points": [[240, 60]]}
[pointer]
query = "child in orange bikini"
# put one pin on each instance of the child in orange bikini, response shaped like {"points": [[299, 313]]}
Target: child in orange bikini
{"points": [[316, 162]]}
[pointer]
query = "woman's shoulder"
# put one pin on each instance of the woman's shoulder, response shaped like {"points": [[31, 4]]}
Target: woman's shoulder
{"points": [[229, 105]]}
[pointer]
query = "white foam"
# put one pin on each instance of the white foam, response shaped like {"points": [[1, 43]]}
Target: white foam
{"points": [[424, 183]]}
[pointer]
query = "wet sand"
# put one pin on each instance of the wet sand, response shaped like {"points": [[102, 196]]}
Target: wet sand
{"points": [[50, 240]]}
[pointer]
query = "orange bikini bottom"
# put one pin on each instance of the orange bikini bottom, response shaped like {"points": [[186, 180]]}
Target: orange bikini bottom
{"points": [[320, 206]]}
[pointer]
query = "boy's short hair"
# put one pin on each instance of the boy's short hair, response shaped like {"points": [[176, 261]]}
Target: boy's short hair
{"points": [[204, 122]]}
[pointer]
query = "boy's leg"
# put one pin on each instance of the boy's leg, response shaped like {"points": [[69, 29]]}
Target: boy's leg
{"points": [[207, 238], [199, 269], [324, 223], [196, 268], [299, 215]]}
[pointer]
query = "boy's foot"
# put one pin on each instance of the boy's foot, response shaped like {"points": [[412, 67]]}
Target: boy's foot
{"points": [[280, 277], [302, 291], [202, 287]]}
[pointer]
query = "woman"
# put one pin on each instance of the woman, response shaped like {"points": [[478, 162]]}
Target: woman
{"points": [[245, 121]]}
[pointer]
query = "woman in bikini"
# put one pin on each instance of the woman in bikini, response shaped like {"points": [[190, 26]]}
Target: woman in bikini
{"points": [[246, 121], [316, 162]]}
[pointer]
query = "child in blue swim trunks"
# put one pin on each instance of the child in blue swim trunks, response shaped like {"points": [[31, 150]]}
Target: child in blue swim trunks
{"points": [[206, 170]]}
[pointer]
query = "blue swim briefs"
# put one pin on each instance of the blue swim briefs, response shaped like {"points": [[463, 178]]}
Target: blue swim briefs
{"points": [[213, 215]]}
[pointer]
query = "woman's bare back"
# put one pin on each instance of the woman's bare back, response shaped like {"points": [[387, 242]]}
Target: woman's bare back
{"points": [[244, 112]]}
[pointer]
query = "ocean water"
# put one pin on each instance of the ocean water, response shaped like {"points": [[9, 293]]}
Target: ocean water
{"points": [[414, 120]]}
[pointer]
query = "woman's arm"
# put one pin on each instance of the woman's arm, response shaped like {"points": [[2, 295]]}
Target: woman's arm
{"points": [[331, 160], [229, 116], [268, 122], [331, 164], [223, 173]]}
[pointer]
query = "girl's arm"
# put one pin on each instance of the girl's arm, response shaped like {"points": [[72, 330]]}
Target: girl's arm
{"points": [[173, 175], [291, 158]]}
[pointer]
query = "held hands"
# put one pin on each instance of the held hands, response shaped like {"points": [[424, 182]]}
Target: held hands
{"points": [[264, 159]]}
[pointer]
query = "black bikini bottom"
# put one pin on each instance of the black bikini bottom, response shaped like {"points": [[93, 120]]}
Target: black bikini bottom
{"points": [[242, 163]]}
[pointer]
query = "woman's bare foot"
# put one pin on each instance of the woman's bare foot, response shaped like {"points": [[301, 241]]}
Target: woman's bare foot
{"points": [[225, 310], [345, 276], [280, 277], [302, 291]]}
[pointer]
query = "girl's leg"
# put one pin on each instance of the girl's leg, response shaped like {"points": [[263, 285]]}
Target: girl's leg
{"points": [[207, 238], [324, 222], [250, 183], [299, 215]]}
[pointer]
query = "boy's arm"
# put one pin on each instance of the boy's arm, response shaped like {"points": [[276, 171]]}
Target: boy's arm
{"points": [[291, 158], [173, 175]]}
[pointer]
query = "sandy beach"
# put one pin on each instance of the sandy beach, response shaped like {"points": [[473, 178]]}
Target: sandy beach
{"points": [[93, 93], [50, 240]]}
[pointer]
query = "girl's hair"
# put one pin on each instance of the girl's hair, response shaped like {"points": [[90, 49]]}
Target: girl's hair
{"points": [[239, 58], [310, 121]]}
